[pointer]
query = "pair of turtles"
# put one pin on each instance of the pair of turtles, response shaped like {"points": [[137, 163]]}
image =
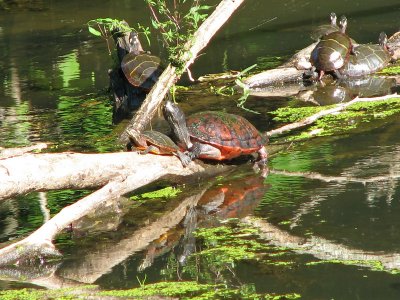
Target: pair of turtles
{"points": [[207, 135], [338, 54]]}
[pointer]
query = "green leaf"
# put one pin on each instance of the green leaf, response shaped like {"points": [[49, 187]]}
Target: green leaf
{"points": [[94, 31]]}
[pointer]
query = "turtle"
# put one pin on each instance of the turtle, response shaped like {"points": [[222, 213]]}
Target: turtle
{"points": [[141, 70], [156, 142], [367, 58], [332, 52], [215, 135], [325, 29]]}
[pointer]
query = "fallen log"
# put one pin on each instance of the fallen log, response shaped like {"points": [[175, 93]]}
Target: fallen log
{"points": [[146, 169]]}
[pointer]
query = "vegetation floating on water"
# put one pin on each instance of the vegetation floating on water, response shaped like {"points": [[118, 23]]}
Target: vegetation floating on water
{"points": [[168, 192], [391, 70], [354, 117]]}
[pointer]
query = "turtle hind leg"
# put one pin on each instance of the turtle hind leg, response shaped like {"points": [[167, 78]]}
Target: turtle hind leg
{"points": [[205, 151]]}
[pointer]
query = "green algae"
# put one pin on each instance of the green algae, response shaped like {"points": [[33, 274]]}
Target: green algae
{"points": [[373, 265], [357, 116], [391, 70], [168, 192], [80, 292]]}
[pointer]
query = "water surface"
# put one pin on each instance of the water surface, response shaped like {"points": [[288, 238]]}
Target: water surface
{"points": [[54, 81]]}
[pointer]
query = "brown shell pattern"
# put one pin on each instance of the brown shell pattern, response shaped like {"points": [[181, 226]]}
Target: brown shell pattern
{"points": [[163, 142], [232, 134], [332, 52], [141, 70]]}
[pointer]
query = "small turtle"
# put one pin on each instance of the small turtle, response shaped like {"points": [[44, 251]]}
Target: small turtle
{"points": [[141, 70], [325, 29], [158, 143], [332, 52], [215, 135]]}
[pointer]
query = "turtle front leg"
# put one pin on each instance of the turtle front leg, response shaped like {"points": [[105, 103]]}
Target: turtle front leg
{"points": [[184, 158]]}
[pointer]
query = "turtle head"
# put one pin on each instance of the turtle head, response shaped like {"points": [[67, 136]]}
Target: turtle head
{"points": [[176, 120], [383, 41], [333, 19], [343, 24]]}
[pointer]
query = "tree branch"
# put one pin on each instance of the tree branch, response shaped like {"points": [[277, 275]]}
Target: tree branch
{"points": [[199, 40]]}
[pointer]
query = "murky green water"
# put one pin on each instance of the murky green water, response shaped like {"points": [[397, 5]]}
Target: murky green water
{"points": [[54, 77]]}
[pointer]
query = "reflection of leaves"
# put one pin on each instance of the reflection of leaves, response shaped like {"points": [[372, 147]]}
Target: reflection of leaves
{"points": [[85, 127]]}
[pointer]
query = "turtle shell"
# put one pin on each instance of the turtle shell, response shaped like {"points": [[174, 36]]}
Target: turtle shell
{"points": [[162, 142], [325, 29], [233, 135], [141, 70], [332, 52], [367, 59]]}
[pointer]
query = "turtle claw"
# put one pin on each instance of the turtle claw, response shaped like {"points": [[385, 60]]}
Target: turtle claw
{"points": [[184, 158]]}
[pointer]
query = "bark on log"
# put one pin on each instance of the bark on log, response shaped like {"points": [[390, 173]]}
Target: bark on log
{"points": [[199, 40], [49, 171], [291, 71]]}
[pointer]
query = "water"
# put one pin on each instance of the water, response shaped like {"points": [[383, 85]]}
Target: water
{"points": [[54, 77]]}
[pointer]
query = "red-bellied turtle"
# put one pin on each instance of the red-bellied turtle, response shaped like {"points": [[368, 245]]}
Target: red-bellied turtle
{"points": [[215, 135]]}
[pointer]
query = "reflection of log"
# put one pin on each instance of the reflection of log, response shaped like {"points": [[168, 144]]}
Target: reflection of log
{"points": [[144, 169], [322, 248], [170, 75], [94, 264]]}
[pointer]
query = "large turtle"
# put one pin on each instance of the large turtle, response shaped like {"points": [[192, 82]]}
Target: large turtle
{"points": [[215, 135], [158, 143], [367, 58], [332, 52]]}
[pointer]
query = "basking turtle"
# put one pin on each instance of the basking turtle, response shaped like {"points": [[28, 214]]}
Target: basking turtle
{"points": [[325, 29], [332, 52], [158, 143], [367, 58], [215, 135], [142, 70]]}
